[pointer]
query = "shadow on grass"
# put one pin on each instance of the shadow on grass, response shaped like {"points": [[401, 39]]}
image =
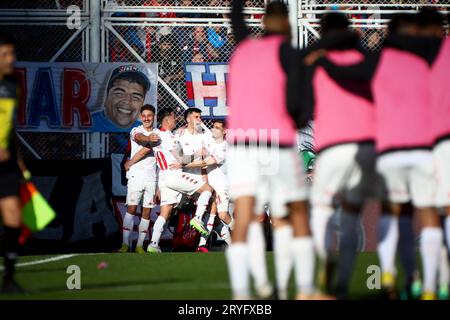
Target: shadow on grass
{"points": [[38, 270], [90, 286]]}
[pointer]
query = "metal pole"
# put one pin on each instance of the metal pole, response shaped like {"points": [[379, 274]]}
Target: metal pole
{"points": [[26, 144], [95, 31], [293, 19]]}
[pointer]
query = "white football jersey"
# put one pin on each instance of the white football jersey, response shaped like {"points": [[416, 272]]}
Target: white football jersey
{"points": [[164, 151], [146, 168], [192, 143], [218, 151]]}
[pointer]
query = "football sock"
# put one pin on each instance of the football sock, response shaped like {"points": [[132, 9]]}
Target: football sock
{"points": [[430, 249], [143, 231], [257, 254], [282, 239], [302, 251], [388, 240], [236, 255], [202, 203], [158, 229], [128, 224]]}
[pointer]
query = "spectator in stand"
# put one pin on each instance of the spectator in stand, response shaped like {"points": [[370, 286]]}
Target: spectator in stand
{"points": [[216, 4], [213, 54], [159, 3], [374, 40], [254, 4], [198, 57], [129, 33], [217, 36], [165, 54], [184, 34], [150, 31], [192, 15], [194, 43]]}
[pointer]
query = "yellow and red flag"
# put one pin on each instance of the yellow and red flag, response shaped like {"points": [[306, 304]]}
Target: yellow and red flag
{"points": [[36, 211]]}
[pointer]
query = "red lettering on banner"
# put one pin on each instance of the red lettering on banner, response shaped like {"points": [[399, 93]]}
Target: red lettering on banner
{"points": [[189, 90], [21, 76], [76, 99]]}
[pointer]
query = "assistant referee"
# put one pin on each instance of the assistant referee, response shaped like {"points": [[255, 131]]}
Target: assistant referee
{"points": [[10, 173]]}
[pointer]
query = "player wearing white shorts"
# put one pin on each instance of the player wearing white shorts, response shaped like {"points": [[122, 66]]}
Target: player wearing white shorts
{"points": [[262, 161], [440, 103], [409, 173], [214, 163], [173, 181], [142, 179], [193, 142], [399, 86]]}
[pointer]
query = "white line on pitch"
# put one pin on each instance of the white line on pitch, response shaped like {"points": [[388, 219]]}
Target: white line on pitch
{"points": [[35, 262]]}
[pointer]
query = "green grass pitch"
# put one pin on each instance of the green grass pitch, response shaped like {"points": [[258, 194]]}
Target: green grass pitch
{"points": [[177, 276]]}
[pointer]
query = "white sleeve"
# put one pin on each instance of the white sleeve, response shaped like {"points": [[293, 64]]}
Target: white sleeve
{"points": [[208, 142], [133, 133], [219, 153]]}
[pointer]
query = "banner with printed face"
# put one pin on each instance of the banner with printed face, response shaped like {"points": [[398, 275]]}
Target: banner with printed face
{"points": [[206, 88], [83, 97]]}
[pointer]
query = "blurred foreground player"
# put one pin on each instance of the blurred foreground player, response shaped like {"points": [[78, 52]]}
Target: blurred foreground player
{"points": [[10, 173], [399, 78], [263, 166], [344, 130], [440, 103]]}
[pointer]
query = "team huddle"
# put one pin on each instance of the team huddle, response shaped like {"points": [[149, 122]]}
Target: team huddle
{"points": [[186, 163], [381, 130]]}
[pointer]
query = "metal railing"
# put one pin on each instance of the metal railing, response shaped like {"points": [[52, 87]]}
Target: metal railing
{"points": [[168, 32]]}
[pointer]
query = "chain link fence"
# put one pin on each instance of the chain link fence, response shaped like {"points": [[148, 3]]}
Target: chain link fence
{"points": [[368, 17], [41, 4], [349, 4], [45, 41], [172, 46], [197, 4], [170, 33]]}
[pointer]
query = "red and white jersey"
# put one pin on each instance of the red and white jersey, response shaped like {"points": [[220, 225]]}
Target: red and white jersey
{"points": [[145, 169], [217, 173], [164, 151], [192, 143], [218, 151]]}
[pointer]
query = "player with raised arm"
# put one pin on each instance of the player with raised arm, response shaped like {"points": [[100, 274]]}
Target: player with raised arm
{"points": [[263, 166], [399, 77]]}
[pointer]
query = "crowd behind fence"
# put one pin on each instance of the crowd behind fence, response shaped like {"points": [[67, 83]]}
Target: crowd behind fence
{"points": [[170, 33]]}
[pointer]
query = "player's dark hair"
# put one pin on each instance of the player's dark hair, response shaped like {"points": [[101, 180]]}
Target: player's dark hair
{"points": [[164, 112], [148, 107], [429, 17], [332, 21], [401, 20], [191, 111], [6, 39], [222, 122], [277, 9]]}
